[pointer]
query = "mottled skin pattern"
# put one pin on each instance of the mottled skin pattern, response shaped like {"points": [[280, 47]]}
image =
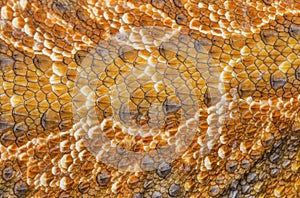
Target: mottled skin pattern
{"points": [[253, 44]]}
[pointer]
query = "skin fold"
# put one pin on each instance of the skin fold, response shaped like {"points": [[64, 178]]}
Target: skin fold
{"points": [[226, 124]]}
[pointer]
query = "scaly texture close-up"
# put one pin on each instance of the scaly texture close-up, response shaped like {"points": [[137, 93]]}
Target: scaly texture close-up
{"points": [[149, 98]]}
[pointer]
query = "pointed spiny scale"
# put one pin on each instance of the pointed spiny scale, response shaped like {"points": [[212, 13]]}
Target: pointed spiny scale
{"points": [[66, 161], [65, 183]]}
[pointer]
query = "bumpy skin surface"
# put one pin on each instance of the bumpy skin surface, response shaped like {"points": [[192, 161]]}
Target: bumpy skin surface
{"points": [[250, 48]]}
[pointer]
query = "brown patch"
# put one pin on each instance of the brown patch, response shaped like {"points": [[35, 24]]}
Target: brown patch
{"points": [[269, 37], [21, 189], [6, 62], [278, 79], [42, 62]]}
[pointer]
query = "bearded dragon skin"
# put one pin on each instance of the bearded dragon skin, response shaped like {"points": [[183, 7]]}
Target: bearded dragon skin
{"points": [[149, 98]]}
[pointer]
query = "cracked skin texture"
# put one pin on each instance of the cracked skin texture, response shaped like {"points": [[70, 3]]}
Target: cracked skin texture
{"points": [[254, 46]]}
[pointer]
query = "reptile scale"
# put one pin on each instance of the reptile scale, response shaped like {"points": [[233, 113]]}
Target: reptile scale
{"points": [[149, 98]]}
